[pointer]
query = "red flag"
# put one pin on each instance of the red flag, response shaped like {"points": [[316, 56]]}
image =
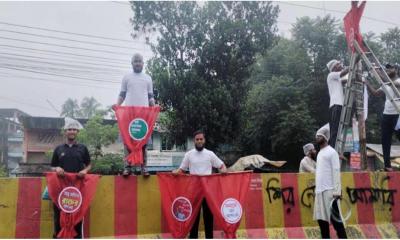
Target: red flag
{"points": [[225, 195], [136, 125], [72, 195], [352, 25], [181, 197]]}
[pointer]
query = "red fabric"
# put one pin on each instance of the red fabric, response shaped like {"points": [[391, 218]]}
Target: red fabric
{"points": [[219, 188], [87, 187], [352, 25], [125, 115], [173, 187]]}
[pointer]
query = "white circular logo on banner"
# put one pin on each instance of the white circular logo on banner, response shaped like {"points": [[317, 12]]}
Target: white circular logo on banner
{"points": [[138, 129], [181, 209], [70, 199], [231, 210]]}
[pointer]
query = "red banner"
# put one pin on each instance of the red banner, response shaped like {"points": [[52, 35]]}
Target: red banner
{"points": [[181, 197], [72, 195], [352, 25], [225, 195], [136, 126]]}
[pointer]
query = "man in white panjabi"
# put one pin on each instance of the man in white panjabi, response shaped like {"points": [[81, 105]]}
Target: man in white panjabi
{"points": [[308, 163], [327, 185]]}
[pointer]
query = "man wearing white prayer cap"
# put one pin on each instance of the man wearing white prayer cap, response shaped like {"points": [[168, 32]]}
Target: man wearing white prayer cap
{"points": [[327, 185], [72, 157], [335, 87], [308, 163]]}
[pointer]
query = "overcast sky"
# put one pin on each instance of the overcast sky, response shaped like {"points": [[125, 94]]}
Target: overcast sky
{"points": [[49, 52]]}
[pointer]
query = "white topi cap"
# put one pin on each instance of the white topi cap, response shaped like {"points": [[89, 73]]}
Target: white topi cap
{"points": [[331, 64], [324, 131], [72, 124]]}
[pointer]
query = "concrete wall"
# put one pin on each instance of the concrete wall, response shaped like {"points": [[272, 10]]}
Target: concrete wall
{"points": [[278, 206]]}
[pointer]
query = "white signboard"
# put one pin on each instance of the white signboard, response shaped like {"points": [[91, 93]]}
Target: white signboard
{"points": [[159, 160]]}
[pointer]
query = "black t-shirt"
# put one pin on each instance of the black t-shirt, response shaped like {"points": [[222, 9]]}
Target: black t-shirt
{"points": [[72, 159]]}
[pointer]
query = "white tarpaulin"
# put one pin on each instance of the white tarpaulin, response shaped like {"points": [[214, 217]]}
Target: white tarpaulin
{"points": [[253, 160]]}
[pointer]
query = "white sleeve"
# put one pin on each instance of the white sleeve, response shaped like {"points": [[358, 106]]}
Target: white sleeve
{"points": [[306, 167], [336, 174], [124, 85], [185, 162], [215, 161], [150, 86], [335, 76], [301, 168]]}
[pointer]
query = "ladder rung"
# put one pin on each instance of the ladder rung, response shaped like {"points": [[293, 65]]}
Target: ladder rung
{"points": [[395, 99]]}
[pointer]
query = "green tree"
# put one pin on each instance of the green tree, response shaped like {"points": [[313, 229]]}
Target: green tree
{"points": [[277, 120], [323, 40], [3, 171], [203, 59], [278, 104], [96, 135], [391, 45], [70, 108], [89, 107]]}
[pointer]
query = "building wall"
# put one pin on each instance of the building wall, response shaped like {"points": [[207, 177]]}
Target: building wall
{"points": [[11, 138], [277, 206], [37, 142]]}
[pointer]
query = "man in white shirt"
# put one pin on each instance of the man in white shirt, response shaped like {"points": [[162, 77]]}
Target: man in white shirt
{"points": [[200, 161], [335, 87], [308, 163], [327, 185], [136, 90], [390, 115]]}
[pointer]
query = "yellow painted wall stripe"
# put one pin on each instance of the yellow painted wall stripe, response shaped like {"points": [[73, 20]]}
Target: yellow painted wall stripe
{"points": [[148, 206], [382, 211], [8, 207], [349, 180], [305, 183], [273, 212], [102, 209]]}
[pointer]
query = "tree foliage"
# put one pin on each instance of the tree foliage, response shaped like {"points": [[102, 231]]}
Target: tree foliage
{"points": [[108, 164], [3, 171], [70, 108], [88, 108], [203, 60], [391, 45], [96, 135], [220, 66]]}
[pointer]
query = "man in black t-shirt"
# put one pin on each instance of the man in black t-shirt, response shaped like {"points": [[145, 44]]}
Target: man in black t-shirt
{"points": [[70, 157]]}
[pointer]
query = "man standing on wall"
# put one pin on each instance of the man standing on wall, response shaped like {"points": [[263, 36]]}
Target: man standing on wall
{"points": [[200, 161], [136, 90], [327, 185], [70, 157]]}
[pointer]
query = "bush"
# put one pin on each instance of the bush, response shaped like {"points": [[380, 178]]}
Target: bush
{"points": [[108, 164]]}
